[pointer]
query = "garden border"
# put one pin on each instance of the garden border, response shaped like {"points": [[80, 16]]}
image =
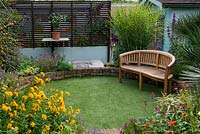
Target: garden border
{"points": [[59, 75]]}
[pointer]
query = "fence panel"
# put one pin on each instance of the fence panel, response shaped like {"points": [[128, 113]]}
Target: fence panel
{"points": [[87, 24]]}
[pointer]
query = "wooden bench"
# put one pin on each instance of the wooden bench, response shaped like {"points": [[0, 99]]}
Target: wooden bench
{"points": [[154, 64]]}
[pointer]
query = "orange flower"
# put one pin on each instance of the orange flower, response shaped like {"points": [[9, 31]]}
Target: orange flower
{"points": [[145, 127], [32, 124], [169, 132], [24, 97], [47, 128], [9, 125], [153, 122], [172, 123]]}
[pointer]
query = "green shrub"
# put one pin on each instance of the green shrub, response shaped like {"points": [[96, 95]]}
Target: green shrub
{"points": [[177, 49], [135, 28], [64, 66], [9, 20], [52, 62]]}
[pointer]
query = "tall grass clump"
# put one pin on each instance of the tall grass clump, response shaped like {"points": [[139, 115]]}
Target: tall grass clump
{"points": [[135, 28]]}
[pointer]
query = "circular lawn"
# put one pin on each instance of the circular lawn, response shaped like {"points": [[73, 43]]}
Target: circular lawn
{"points": [[106, 103]]}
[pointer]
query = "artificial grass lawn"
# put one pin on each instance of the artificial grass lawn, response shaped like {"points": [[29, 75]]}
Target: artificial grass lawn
{"points": [[106, 103]]}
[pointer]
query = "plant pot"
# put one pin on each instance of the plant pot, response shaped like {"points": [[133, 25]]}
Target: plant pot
{"points": [[56, 35]]}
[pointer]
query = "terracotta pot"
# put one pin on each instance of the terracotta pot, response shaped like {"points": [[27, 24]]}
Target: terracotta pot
{"points": [[56, 35]]}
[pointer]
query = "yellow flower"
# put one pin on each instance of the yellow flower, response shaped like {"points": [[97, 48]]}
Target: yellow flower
{"points": [[35, 107], [68, 93], [28, 131], [15, 113], [44, 117], [72, 122], [10, 114], [9, 93], [14, 104], [25, 97], [15, 93], [4, 87], [9, 125], [42, 95], [32, 89], [63, 109], [49, 103], [78, 110], [37, 88], [32, 124], [69, 113], [47, 80], [60, 127], [42, 73], [39, 81], [30, 95], [38, 101], [47, 127], [57, 112], [199, 113], [30, 115], [22, 107], [61, 93], [5, 108], [16, 128]]}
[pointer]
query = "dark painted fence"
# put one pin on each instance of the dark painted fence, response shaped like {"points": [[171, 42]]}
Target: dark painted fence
{"points": [[87, 25]]}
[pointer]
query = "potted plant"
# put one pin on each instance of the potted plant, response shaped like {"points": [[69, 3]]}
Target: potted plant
{"points": [[55, 20]]}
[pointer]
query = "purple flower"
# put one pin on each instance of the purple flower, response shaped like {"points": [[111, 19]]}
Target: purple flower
{"points": [[121, 131], [152, 95], [125, 125]]}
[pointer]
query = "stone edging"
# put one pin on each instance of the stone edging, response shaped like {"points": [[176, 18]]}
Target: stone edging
{"points": [[59, 75]]}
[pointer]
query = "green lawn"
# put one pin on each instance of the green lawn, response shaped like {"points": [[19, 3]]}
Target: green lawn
{"points": [[106, 103]]}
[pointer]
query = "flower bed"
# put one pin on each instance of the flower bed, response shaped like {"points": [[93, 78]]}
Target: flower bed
{"points": [[34, 111]]}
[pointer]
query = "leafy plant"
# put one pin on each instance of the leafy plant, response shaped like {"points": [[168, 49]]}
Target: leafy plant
{"points": [[135, 28], [9, 28], [185, 44], [177, 49], [83, 41], [64, 66], [56, 19], [52, 62]]}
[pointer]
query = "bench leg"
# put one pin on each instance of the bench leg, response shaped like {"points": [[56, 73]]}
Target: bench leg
{"points": [[120, 75], [140, 81], [165, 86]]}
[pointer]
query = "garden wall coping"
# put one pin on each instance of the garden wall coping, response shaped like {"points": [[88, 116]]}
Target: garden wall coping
{"points": [[59, 75]]}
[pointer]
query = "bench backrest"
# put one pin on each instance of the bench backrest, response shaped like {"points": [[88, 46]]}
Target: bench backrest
{"points": [[156, 58]]}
